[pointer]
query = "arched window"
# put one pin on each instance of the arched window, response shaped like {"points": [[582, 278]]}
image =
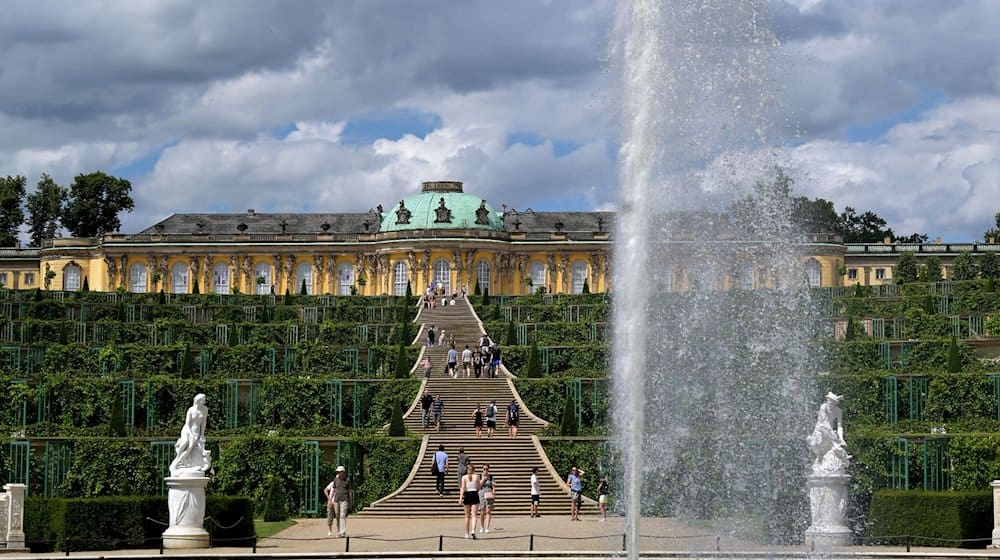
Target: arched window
{"points": [[220, 278], [537, 275], [814, 273], [345, 279], [304, 272], [71, 278], [442, 275], [706, 276], [262, 278], [483, 276], [137, 276], [399, 279], [579, 272], [179, 279], [745, 276]]}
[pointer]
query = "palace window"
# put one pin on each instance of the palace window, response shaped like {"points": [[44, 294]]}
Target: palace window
{"points": [[220, 278], [880, 274], [745, 276], [442, 275], [179, 279], [813, 273], [663, 277], [345, 279], [71, 278], [262, 278], [399, 279], [3, 279], [852, 274], [706, 276], [29, 278], [304, 272], [483, 276], [137, 276], [579, 276], [537, 275]]}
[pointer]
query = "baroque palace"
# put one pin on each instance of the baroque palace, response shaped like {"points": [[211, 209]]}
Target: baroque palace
{"points": [[439, 235]]}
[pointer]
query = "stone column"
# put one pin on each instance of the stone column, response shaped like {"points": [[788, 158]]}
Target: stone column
{"points": [[828, 504], [15, 516], [995, 543], [186, 503]]}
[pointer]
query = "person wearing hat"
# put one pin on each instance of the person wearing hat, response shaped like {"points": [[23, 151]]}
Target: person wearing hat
{"points": [[339, 496]]}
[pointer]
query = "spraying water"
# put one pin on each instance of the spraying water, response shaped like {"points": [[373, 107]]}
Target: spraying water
{"points": [[711, 307]]}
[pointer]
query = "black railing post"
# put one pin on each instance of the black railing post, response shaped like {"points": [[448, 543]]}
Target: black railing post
{"points": [[255, 544], [440, 543], [718, 543], [624, 536], [531, 542], [907, 543], [161, 546], [347, 544]]}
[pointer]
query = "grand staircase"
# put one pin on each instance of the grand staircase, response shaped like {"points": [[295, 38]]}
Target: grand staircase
{"points": [[510, 459]]}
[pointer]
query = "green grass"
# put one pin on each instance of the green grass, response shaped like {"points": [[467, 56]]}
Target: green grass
{"points": [[270, 528]]}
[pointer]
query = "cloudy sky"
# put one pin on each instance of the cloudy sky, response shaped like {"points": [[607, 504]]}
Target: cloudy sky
{"points": [[892, 106]]}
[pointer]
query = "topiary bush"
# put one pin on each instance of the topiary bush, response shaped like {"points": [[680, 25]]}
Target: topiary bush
{"points": [[931, 518], [396, 426]]}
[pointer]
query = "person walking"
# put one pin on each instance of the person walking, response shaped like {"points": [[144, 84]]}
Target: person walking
{"points": [[603, 489], [513, 413], [491, 418], [437, 409], [469, 498], [477, 364], [484, 344], [536, 492], [339, 496], [467, 361], [439, 467], [460, 461], [575, 483], [426, 400], [428, 366], [441, 338], [452, 361], [494, 360], [477, 420], [487, 497], [431, 336]]}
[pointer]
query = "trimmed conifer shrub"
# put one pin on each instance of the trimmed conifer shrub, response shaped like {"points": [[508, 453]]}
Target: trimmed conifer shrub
{"points": [[274, 503], [195, 289], [86, 284], [954, 360], [161, 297], [534, 368], [288, 297], [402, 367], [302, 288], [475, 289], [586, 286], [569, 425], [486, 295], [849, 333], [511, 337], [396, 426]]}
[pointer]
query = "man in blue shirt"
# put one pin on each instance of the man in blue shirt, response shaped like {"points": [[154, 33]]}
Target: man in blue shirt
{"points": [[575, 483], [452, 361]]}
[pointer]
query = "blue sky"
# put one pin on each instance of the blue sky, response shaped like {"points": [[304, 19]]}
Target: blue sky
{"points": [[321, 106]]}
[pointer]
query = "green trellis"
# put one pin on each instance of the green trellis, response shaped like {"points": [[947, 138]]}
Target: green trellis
{"points": [[58, 460], [309, 470]]}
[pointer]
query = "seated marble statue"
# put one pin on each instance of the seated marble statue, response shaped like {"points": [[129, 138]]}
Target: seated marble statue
{"points": [[192, 459], [827, 439]]}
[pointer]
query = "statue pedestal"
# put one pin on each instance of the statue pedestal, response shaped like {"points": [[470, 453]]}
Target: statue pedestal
{"points": [[995, 543], [12, 518], [186, 502], [828, 504]]}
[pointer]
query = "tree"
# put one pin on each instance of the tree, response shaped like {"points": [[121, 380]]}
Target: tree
{"points": [[964, 267], [993, 235], [195, 289], [486, 296], [402, 366], [45, 208], [989, 266], [912, 238], [302, 289], [510, 338], [906, 268], [933, 268], [849, 332], [862, 228], [569, 426], [586, 287], [534, 368], [954, 360], [11, 214], [95, 200], [396, 426]]}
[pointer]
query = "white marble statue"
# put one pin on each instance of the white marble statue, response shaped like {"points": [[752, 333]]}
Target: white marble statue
{"points": [[192, 459], [827, 439]]}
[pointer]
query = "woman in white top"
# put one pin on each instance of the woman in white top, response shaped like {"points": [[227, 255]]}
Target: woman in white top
{"points": [[470, 498]]}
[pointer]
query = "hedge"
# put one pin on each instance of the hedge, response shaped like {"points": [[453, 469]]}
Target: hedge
{"points": [[109, 523], [931, 518]]}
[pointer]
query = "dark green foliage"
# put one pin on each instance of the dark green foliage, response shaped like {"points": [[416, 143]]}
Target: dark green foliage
{"points": [[302, 288], [45, 208], [94, 202], [586, 286], [161, 298], [274, 504], [288, 297], [511, 337], [964, 268], [409, 295], [569, 426], [396, 426], [954, 360], [933, 267], [86, 284], [534, 368], [117, 421], [929, 305], [194, 287], [187, 363], [475, 289], [989, 266], [859, 291], [906, 268], [402, 364], [11, 215], [486, 296], [940, 518], [849, 332]]}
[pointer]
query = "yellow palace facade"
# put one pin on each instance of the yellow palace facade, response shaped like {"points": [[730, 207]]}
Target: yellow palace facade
{"points": [[440, 235]]}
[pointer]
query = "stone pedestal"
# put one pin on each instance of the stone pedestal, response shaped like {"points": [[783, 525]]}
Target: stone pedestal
{"points": [[186, 502], [995, 543], [13, 516], [828, 504]]}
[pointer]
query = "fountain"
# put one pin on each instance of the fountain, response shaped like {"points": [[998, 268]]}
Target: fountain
{"points": [[712, 384]]}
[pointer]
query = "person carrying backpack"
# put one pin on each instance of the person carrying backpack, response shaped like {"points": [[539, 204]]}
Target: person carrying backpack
{"points": [[512, 418], [491, 418]]}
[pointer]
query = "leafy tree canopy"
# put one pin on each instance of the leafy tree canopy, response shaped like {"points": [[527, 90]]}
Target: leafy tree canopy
{"points": [[95, 201], [45, 207], [11, 214]]}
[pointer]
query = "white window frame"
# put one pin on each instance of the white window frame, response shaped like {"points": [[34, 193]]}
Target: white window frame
{"points": [[262, 270], [539, 275], [72, 278], [814, 273], [579, 271], [304, 271], [442, 274], [29, 278], [179, 279], [483, 275], [745, 276], [138, 279], [345, 278], [220, 279], [399, 278]]}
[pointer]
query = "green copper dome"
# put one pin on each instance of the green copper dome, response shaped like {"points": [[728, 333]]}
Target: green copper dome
{"points": [[441, 205]]}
